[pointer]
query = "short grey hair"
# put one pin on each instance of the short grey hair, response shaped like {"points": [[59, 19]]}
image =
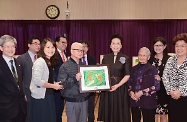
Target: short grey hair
{"points": [[7, 38], [75, 44], [145, 48]]}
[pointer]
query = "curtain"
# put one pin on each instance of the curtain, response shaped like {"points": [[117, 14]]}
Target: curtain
{"points": [[135, 33]]}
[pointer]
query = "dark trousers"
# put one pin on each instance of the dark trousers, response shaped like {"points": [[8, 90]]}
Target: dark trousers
{"points": [[148, 114], [91, 106], [21, 117], [177, 109], [59, 105], [28, 109]]}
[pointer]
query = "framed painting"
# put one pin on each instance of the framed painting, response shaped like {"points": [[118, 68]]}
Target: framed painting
{"points": [[94, 78], [134, 60]]}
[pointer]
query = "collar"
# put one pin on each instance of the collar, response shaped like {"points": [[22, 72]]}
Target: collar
{"points": [[85, 56], [117, 53], [31, 54], [59, 50], [80, 62], [147, 65], [7, 59]]}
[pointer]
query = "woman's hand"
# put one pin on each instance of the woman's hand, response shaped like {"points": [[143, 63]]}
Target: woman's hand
{"points": [[157, 77], [114, 87], [57, 86], [138, 94], [175, 94], [133, 96]]}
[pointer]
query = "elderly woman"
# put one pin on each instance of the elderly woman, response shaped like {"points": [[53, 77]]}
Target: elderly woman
{"points": [[175, 80], [142, 88]]}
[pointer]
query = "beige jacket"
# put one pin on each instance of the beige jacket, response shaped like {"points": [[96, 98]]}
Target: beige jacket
{"points": [[40, 75]]}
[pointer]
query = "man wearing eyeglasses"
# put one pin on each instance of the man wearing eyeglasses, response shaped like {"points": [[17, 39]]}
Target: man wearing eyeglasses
{"points": [[12, 102], [76, 102], [27, 60], [61, 45]]}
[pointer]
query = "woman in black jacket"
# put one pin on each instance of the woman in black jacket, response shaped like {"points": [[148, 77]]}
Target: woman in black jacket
{"points": [[159, 57]]}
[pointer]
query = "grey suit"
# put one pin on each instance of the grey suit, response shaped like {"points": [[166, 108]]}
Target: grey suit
{"points": [[27, 64]]}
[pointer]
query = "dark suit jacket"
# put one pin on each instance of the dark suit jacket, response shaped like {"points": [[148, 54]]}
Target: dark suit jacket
{"points": [[27, 64], [11, 97], [60, 62], [91, 60]]}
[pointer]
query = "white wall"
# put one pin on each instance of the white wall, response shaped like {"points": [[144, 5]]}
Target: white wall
{"points": [[95, 9]]}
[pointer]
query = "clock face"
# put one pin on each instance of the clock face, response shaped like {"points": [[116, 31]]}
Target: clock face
{"points": [[52, 11]]}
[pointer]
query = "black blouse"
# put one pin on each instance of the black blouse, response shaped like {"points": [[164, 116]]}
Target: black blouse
{"points": [[159, 64], [50, 80]]}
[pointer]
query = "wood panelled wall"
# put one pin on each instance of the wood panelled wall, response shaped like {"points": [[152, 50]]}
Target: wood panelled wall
{"points": [[95, 9]]}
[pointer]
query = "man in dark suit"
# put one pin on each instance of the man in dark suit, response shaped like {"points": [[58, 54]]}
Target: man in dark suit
{"points": [[89, 60], [61, 45], [27, 60], [12, 101]]}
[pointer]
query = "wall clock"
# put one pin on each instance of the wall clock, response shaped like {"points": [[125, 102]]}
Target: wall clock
{"points": [[52, 11]]}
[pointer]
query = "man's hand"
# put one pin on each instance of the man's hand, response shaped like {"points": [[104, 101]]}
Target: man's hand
{"points": [[25, 98], [78, 76]]}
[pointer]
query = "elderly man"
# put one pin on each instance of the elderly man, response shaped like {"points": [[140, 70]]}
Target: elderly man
{"points": [[12, 101], [142, 88], [76, 102]]}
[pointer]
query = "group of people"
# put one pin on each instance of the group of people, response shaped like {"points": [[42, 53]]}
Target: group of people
{"points": [[35, 86], [152, 89]]}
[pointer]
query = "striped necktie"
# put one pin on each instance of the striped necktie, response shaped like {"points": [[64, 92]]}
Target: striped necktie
{"points": [[14, 71]]}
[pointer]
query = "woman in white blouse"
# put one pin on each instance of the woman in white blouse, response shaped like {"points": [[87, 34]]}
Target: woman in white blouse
{"points": [[175, 80], [42, 84]]}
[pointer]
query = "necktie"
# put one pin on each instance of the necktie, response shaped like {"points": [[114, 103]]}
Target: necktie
{"points": [[14, 71], [35, 57], [63, 58], [84, 60]]}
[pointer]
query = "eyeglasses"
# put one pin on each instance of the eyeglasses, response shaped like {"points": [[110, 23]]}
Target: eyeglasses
{"points": [[182, 46], [78, 50], [64, 43], [85, 46], [36, 44], [158, 45], [9, 47]]}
